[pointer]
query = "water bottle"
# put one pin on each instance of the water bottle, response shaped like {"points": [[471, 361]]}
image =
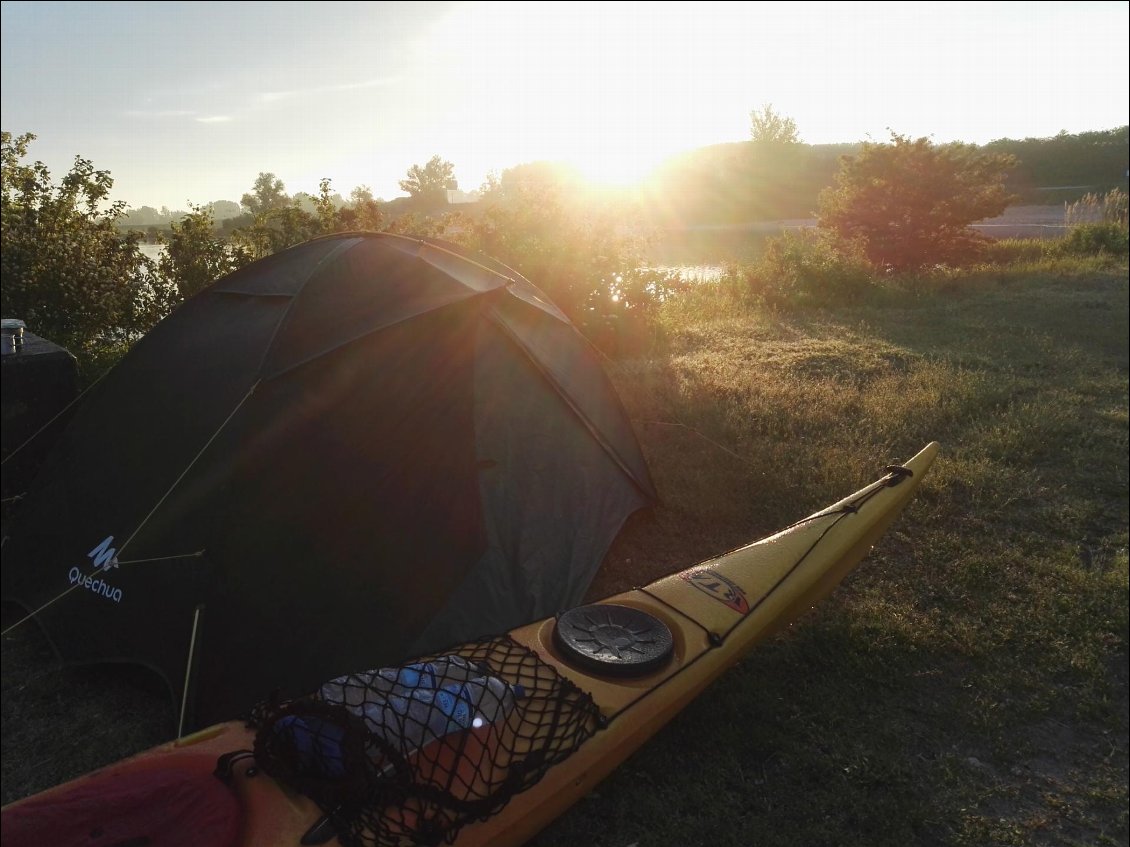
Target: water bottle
{"points": [[414, 705], [355, 689], [490, 699]]}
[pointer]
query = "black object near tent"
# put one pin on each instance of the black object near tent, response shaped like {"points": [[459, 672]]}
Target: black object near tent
{"points": [[348, 453]]}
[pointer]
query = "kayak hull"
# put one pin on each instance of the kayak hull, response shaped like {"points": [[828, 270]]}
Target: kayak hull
{"points": [[715, 612]]}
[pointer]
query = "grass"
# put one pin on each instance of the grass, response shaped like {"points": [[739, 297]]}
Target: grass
{"points": [[966, 686]]}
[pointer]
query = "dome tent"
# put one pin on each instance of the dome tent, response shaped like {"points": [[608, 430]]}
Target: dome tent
{"points": [[356, 450]]}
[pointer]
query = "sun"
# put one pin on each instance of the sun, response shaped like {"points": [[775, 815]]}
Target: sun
{"points": [[582, 84]]}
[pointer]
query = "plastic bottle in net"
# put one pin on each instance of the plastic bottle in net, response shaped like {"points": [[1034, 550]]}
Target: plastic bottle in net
{"points": [[356, 689], [412, 706]]}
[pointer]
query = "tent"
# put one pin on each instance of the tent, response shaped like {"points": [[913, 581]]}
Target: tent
{"points": [[356, 450]]}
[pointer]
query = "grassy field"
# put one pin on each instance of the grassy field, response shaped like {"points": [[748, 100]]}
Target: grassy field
{"points": [[966, 686]]}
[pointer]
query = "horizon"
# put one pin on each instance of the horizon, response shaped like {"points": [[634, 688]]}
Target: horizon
{"points": [[187, 103]]}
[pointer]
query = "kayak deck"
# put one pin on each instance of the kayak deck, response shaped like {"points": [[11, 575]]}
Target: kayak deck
{"points": [[584, 714]]}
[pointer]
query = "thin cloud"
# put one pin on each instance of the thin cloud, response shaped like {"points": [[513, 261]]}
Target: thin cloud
{"points": [[214, 119], [159, 113], [276, 96]]}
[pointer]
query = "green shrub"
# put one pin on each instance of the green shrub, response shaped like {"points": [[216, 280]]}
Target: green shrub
{"points": [[67, 270], [1096, 239], [808, 267], [910, 203], [1008, 251]]}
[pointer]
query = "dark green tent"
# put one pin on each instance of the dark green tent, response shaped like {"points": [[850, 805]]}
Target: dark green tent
{"points": [[353, 451]]}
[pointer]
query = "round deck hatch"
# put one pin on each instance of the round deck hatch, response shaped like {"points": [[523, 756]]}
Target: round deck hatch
{"points": [[613, 640]]}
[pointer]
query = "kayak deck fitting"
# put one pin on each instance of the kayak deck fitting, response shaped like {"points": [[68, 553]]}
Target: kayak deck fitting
{"points": [[489, 742]]}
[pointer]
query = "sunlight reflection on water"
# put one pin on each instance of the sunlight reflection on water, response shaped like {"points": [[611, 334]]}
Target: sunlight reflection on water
{"points": [[695, 273]]}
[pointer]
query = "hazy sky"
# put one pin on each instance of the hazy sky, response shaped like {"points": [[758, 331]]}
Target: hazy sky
{"points": [[190, 101]]}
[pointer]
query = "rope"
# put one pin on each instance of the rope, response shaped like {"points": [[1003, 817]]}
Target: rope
{"points": [[705, 438], [152, 511], [195, 555], [184, 473], [46, 605], [59, 414], [67, 591], [893, 475]]}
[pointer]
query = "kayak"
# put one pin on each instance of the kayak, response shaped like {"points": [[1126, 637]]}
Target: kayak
{"points": [[514, 729]]}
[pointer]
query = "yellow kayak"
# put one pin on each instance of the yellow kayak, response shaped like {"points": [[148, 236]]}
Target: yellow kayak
{"points": [[515, 728]]}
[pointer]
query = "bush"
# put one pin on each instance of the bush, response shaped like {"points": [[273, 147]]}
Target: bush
{"points": [[808, 267], [1095, 240], [910, 203], [67, 270], [195, 256], [577, 249]]}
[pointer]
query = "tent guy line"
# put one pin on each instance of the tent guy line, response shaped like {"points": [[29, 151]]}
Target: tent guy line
{"points": [[78, 583], [189, 467], [61, 412], [117, 561]]}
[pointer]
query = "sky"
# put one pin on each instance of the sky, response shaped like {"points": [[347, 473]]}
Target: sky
{"points": [[188, 102]]}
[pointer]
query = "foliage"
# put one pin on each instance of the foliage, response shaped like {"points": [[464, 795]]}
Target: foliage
{"points": [[1096, 225], [768, 127], [67, 270], [416, 225], [1096, 239], [194, 257], [573, 248], [1065, 166], [267, 194], [1013, 251], [910, 202], [809, 267], [275, 230], [625, 320], [1097, 208], [739, 182], [435, 177], [362, 213]]}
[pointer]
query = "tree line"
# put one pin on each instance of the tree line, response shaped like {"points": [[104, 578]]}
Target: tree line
{"points": [[75, 277], [772, 176]]}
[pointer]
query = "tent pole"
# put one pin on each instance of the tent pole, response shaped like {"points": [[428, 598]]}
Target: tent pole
{"points": [[188, 670]]}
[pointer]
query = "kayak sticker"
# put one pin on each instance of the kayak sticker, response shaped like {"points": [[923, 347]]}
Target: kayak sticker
{"points": [[719, 587]]}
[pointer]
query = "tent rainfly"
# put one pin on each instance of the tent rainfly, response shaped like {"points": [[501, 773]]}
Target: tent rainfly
{"points": [[356, 450]]}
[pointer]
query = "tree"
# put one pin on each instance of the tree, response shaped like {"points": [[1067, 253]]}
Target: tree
{"points": [[67, 270], [223, 209], [305, 201], [267, 193], [578, 251], [144, 216], [275, 230], [194, 258], [910, 202], [436, 176], [767, 127], [325, 207], [362, 213]]}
